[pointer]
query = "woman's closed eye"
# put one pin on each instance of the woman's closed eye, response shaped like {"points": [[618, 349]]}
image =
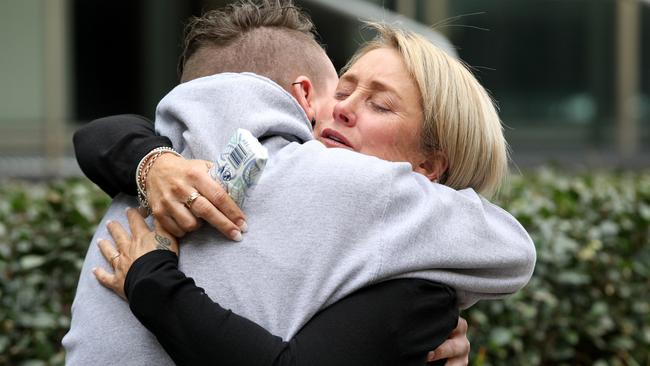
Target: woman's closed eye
{"points": [[378, 107], [341, 95]]}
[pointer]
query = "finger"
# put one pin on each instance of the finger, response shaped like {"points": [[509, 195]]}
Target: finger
{"points": [[203, 208], [117, 232], [219, 198], [451, 348], [462, 326], [464, 361], [456, 345], [105, 278], [431, 356], [183, 217], [170, 226], [136, 223], [108, 250], [109, 281], [460, 330]]}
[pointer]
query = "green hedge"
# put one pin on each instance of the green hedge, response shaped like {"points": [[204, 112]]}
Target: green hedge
{"points": [[44, 234], [587, 304]]}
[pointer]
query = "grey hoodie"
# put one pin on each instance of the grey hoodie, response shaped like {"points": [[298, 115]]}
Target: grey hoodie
{"points": [[323, 223]]}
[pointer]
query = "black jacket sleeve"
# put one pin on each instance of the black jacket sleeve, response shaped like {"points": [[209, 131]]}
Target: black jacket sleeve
{"points": [[392, 323], [109, 149]]}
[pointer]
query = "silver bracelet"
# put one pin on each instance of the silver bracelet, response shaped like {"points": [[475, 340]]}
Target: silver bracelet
{"points": [[142, 171]]}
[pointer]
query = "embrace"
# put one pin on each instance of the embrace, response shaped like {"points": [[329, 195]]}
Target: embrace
{"points": [[366, 233]]}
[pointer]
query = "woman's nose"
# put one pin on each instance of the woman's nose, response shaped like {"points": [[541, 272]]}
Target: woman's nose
{"points": [[344, 112]]}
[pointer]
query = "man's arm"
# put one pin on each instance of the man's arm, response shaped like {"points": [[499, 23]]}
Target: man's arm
{"points": [[392, 323], [413, 227], [109, 149], [454, 237]]}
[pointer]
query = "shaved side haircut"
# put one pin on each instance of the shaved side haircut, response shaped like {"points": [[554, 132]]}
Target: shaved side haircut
{"points": [[272, 38]]}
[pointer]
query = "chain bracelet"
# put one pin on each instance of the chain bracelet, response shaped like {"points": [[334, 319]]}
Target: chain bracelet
{"points": [[144, 166]]}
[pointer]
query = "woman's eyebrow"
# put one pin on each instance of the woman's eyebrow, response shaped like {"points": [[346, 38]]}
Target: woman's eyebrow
{"points": [[379, 86], [374, 85], [348, 78]]}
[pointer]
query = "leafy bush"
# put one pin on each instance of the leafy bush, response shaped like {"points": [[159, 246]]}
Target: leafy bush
{"points": [[588, 302], [44, 234]]}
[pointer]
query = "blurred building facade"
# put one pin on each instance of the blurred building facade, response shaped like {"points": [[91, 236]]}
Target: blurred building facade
{"points": [[571, 77]]}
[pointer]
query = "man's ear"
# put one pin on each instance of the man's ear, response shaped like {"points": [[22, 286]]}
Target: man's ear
{"points": [[433, 166], [303, 90]]}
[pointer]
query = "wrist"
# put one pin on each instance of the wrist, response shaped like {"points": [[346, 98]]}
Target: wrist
{"points": [[145, 266], [144, 167]]}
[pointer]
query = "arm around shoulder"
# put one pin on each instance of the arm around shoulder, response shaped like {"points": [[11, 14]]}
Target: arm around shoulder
{"points": [[391, 323], [109, 149], [454, 237]]}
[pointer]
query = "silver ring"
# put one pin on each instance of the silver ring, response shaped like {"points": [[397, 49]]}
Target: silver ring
{"points": [[191, 199]]}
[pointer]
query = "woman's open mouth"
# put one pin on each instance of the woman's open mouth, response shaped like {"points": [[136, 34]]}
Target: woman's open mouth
{"points": [[331, 138]]}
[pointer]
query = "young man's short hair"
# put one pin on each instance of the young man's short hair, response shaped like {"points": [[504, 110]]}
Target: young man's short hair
{"points": [[273, 38]]}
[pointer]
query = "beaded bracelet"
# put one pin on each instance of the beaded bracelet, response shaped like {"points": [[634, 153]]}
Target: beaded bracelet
{"points": [[143, 170]]}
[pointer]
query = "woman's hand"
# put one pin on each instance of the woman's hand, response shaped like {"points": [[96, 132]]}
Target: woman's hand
{"points": [[129, 248], [455, 349], [171, 183]]}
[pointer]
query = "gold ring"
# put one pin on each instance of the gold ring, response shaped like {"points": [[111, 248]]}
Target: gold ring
{"points": [[114, 258], [191, 199]]}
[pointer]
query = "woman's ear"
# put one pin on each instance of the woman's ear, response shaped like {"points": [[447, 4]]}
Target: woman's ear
{"points": [[434, 165], [303, 90]]}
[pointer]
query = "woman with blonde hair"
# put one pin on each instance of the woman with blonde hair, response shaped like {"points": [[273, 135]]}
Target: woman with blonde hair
{"points": [[460, 127], [399, 99]]}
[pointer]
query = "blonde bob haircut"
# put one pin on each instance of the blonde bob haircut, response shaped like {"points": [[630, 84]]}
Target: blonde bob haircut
{"points": [[460, 118]]}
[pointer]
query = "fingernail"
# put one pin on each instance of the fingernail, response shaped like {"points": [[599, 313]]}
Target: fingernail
{"points": [[236, 235], [243, 226], [108, 222], [431, 356]]}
